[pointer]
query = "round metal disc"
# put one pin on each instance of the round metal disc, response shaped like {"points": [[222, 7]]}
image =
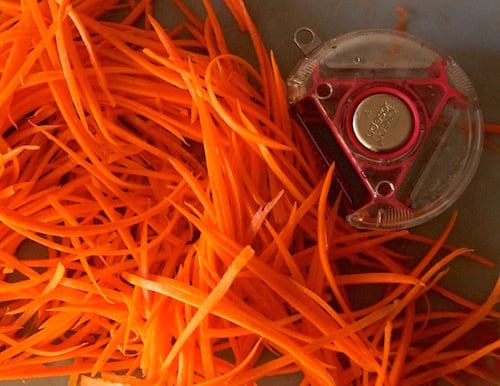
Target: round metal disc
{"points": [[382, 122]]}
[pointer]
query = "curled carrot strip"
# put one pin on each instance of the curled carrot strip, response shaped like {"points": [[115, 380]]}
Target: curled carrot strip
{"points": [[403, 18]]}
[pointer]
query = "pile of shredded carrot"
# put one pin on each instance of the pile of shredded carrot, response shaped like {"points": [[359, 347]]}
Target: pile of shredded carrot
{"points": [[164, 222]]}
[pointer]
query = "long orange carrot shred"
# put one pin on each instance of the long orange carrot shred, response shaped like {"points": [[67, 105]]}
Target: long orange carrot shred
{"points": [[162, 223]]}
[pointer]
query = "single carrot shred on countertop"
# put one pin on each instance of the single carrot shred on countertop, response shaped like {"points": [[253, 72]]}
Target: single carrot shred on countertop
{"points": [[491, 128], [402, 23], [161, 224]]}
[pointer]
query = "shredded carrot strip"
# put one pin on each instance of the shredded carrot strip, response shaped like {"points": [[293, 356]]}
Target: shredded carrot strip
{"points": [[163, 220], [491, 128], [492, 145], [403, 18]]}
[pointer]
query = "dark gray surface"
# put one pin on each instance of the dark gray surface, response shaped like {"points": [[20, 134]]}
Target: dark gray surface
{"points": [[467, 30]]}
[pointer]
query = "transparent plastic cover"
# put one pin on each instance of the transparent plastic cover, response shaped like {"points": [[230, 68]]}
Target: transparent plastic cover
{"points": [[400, 119]]}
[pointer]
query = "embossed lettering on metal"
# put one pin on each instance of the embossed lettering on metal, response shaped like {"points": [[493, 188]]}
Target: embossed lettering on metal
{"points": [[382, 122]]}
